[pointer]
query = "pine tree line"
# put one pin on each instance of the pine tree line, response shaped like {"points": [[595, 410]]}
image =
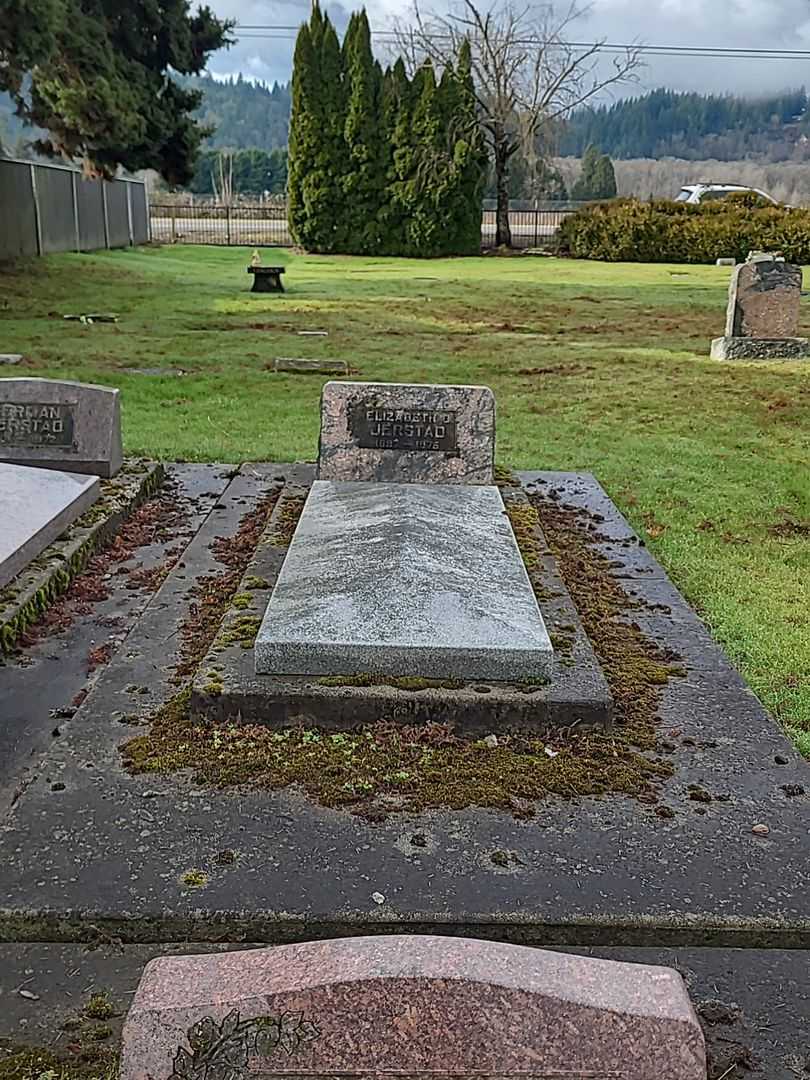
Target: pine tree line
{"points": [[380, 163]]}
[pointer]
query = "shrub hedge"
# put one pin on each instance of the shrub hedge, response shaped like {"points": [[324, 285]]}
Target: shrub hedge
{"points": [[626, 230]]}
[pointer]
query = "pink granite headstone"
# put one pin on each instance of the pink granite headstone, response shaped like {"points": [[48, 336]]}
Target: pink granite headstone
{"points": [[409, 1006], [407, 433]]}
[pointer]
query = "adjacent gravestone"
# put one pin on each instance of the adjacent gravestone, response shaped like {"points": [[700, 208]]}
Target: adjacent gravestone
{"points": [[406, 433], [762, 320], [404, 580], [10, 358], [60, 425], [36, 506], [411, 1006]]}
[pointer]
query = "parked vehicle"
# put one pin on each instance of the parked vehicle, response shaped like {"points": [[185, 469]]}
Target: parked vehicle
{"points": [[698, 193]]}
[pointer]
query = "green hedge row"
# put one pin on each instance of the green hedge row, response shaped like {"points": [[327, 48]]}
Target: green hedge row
{"points": [[625, 230]]}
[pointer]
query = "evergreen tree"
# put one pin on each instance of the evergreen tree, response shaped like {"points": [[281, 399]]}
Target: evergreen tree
{"points": [[425, 184], [96, 75], [304, 135], [604, 179], [597, 179], [364, 182], [469, 155], [396, 113]]}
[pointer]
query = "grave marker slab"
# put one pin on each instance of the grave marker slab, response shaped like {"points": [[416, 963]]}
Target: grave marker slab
{"points": [[407, 433], [762, 318], [415, 1006], [404, 580], [36, 506], [53, 424]]}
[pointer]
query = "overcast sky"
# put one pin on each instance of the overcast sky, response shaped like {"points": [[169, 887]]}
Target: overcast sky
{"points": [[782, 24]]}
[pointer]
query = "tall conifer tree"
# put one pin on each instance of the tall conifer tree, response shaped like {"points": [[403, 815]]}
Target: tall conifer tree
{"points": [[364, 183]]}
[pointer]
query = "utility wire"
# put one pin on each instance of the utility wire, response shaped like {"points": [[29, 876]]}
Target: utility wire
{"points": [[278, 32]]}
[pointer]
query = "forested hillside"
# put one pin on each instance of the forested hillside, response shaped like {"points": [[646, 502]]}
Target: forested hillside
{"points": [[244, 114], [694, 126]]}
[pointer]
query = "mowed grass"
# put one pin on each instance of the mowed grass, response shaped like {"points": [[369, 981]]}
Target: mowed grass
{"points": [[595, 367]]}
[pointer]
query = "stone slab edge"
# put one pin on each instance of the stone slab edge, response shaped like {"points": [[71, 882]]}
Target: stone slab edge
{"points": [[762, 349], [49, 575], [226, 684]]}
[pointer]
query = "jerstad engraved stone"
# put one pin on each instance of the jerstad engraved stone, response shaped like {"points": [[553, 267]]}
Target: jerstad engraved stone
{"points": [[410, 1006], [53, 424], [407, 433]]}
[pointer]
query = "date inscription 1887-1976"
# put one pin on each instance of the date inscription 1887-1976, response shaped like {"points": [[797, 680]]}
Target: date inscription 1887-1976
{"points": [[36, 424], [375, 427]]}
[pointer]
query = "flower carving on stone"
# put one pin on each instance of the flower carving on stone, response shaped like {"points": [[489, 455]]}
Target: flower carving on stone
{"points": [[220, 1051]]}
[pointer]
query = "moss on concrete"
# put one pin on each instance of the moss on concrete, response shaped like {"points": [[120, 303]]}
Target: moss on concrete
{"points": [[388, 766]]}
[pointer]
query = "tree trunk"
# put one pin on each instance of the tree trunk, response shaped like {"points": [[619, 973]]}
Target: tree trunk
{"points": [[503, 233]]}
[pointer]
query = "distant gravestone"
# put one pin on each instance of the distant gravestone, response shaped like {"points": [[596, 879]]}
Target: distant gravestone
{"points": [[762, 319], [36, 506], [60, 425], [407, 433], [10, 358], [409, 1006]]}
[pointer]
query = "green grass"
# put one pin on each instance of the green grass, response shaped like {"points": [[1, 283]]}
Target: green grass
{"points": [[594, 366]]}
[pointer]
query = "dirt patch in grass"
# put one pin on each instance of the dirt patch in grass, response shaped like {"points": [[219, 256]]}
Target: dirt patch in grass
{"points": [[386, 767]]}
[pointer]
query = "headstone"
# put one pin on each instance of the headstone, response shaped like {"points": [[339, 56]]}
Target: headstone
{"points": [[60, 425], [762, 319], [410, 1006], [36, 506], [10, 358], [407, 433], [404, 580], [764, 298]]}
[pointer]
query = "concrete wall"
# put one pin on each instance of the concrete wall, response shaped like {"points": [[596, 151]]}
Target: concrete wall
{"points": [[47, 208]]}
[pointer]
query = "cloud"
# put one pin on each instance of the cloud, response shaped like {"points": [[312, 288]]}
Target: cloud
{"points": [[761, 24]]}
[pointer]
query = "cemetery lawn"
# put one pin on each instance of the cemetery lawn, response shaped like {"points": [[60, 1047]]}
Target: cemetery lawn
{"points": [[595, 367]]}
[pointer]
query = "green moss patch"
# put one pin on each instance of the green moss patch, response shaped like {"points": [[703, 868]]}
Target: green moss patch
{"points": [[383, 767], [289, 513]]}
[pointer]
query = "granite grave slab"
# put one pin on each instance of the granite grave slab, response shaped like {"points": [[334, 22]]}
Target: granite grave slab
{"points": [[407, 433], [36, 506], [411, 1006], [762, 319], [404, 579], [54, 424]]}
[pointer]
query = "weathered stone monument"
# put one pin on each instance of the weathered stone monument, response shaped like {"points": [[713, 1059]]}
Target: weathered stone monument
{"points": [[53, 424], [416, 1006], [36, 506], [404, 562], [409, 434], [762, 321]]}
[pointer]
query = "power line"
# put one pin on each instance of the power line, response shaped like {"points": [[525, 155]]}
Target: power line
{"points": [[256, 32]]}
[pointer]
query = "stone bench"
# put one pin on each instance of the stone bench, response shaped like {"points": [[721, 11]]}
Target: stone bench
{"points": [[266, 278]]}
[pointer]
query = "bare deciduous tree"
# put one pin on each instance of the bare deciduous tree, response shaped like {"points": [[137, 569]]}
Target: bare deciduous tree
{"points": [[528, 75]]}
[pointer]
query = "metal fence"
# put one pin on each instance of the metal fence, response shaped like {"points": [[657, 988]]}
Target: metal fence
{"points": [[49, 208], [266, 226], [210, 223]]}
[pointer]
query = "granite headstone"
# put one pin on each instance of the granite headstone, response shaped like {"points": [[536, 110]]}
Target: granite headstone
{"points": [[36, 506], [762, 318], [48, 423], [407, 433], [409, 1006]]}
